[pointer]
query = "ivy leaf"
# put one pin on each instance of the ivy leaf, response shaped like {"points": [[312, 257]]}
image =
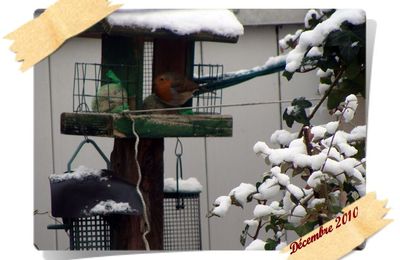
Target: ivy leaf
{"points": [[301, 102], [302, 229], [352, 70], [270, 244], [288, 75], [268, 227], [335, 209], [289, 119], [328, 61], [301, 117], [297, 113], [297, 171], [360, 146], [326, 80]]}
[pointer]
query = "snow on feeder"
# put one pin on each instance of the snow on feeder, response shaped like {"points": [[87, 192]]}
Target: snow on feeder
{"points": [[87, 198]]}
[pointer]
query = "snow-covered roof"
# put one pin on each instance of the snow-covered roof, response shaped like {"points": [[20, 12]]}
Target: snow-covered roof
{"points": [[220, 25], [181, 22]]}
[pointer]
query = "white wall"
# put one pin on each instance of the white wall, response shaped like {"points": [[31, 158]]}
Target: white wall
{"points": [[229, 161]]}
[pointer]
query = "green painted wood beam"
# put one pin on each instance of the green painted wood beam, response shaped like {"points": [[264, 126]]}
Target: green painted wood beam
{"points": [[147, 126]]}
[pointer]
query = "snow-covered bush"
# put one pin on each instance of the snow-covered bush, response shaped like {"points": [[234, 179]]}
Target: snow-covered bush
{"points": [[329, 161]]}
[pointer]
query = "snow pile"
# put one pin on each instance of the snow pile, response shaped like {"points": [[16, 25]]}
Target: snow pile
{"points": [[242, 193], [317, 36], [322, 88], [331, 127], [257, 244], [251, 222], [262, 211], [281, 245], [315, 179], [268, 189], [182, 22], [289, 38], [288, 204], [315, 52], [111, 207], [298, 213], [314, 202], [318, 132], [324, 74], [350, 109], [358, 133], [188, 185], [309, 16], [221, 206], [282, 137], [78, 174]]}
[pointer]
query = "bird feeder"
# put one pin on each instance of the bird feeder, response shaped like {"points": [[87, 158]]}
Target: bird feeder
{"points": [[138, 45]]}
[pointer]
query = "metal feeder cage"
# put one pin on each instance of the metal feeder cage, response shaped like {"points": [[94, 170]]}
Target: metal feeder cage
{"points": [[97, 88], [182, 228]]}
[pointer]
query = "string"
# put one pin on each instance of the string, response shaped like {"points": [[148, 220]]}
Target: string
{"points": [[212, 106], [146, 219]]}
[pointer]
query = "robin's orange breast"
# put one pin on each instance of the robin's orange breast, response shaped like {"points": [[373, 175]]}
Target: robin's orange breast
{"points": [[163, 90]]}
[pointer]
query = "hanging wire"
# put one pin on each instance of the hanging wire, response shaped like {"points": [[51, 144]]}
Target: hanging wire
{"points": [[179, 172]]}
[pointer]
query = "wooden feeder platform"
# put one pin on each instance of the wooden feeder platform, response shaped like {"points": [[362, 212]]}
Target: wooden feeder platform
{"points": [[147, 126]]}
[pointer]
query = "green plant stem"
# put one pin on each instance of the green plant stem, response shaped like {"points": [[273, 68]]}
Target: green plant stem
{"points": [[259, 226], [325, 96]]}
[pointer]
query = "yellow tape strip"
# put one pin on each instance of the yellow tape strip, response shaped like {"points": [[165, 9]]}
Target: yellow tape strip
{"points": [[339, 236], [43, 35]]}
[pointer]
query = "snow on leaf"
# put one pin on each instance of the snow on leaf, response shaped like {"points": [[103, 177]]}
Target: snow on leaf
{"points": [[297, 215], [268, 189], [261, 211], [315, 179], [318, 132], [257, 244], [331, 127], [242, 192], [314, 202], [295, 191], [221, 206], [282, 137], [251, 222]]}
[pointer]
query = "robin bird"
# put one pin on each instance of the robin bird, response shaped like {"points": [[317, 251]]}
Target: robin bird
{"points": [[173, 89]]}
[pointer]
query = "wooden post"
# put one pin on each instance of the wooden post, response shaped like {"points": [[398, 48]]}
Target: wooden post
{"points": [[126, 231], [169, 55]]}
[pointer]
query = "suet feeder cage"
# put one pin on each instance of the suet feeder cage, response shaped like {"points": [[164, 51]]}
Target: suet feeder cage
{"points": [[182, 226]]}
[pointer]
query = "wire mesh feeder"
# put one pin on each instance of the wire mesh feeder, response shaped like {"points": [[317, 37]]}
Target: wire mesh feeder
{"points": [[102, 87], [91, 233], [182, 229], [209, 102]]}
